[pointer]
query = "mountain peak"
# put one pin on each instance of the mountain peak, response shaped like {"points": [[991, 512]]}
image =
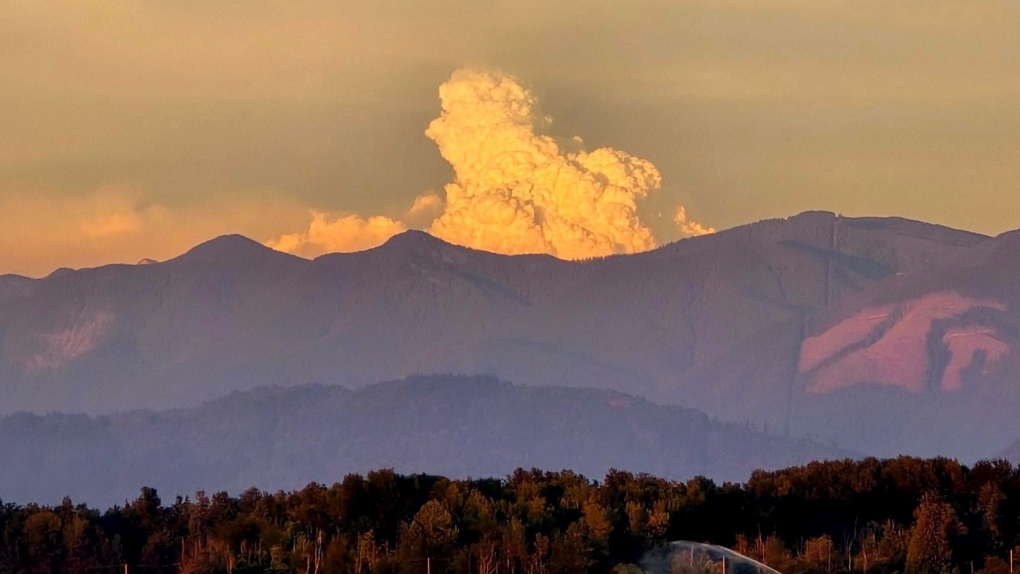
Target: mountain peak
{"points": [[232, 248], [1009, 236], [822, 227], [14, 278], [414, 240], [60, 272], [424, 243], [230, 241]]}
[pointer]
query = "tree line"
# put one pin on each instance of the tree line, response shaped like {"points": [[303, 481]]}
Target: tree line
{"points": [[869, 516]]}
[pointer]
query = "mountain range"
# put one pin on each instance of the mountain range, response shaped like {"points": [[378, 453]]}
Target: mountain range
{"points": [[447, 425], [880, 336]]}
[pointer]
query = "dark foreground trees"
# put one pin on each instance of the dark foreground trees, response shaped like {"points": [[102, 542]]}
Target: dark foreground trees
{"points": [[876, 516]]}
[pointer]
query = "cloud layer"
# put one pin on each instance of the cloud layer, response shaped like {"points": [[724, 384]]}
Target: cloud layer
{"points": [[41, 230], [515, 190]]}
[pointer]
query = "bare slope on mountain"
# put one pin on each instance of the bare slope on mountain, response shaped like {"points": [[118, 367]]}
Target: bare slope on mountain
{"points": [[717, 322], [455, 426], [938, 349]]}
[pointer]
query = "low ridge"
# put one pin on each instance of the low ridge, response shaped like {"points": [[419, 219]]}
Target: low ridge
{"points": [[455, 426]]}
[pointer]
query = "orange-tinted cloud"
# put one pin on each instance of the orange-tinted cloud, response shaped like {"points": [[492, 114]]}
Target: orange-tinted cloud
{"points": [[41, 230], [517, 191], [690, 228], [345, 233]]}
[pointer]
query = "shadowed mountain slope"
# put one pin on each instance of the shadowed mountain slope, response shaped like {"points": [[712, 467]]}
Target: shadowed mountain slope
{"points": [[14, 287], [455, 426]]}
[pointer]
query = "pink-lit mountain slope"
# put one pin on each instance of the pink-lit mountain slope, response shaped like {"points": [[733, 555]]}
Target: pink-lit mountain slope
{"points": [[856, 331], [942, 343]]}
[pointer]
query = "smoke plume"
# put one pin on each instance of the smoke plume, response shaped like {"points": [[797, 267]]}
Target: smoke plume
{"points": [[347, 233], [690, 228], [515, 190]]}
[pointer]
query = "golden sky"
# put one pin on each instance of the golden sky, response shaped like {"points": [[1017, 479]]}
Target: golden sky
{"points": [[133, 129]]}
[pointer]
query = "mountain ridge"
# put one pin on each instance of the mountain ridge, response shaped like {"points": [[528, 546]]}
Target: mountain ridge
{"points": [[734, 324], [284, 438]]}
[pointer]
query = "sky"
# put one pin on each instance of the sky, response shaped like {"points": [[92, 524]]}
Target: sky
{"points": [[137, 129]]}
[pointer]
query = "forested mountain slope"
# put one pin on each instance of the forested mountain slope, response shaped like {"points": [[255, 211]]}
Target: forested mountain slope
{"points": [[458, 426]]}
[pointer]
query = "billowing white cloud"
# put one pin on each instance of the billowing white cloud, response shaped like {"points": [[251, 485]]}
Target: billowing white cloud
{"points": [[516, 191], [424, 211], [345, 233], [690, 228], [426, 204], [195, 100]]}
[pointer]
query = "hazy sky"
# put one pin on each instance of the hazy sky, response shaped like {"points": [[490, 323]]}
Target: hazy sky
{"points": [[133, 129]]}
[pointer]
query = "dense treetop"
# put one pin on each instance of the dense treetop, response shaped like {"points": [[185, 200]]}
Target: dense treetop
{"points": [[903, 514]]}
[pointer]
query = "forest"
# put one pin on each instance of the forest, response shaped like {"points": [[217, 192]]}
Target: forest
{"points": [[870, 516]]}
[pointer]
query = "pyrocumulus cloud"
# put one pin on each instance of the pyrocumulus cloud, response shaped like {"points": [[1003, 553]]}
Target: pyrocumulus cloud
{"points": [[690, 228], [515, 190], [347, 233]]}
